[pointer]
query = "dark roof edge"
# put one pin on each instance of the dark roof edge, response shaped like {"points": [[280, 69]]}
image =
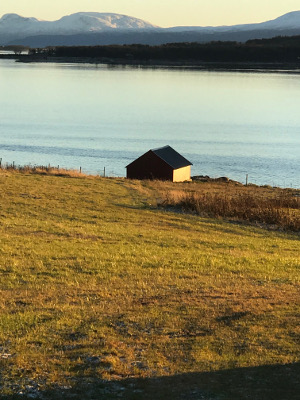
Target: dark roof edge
{"points": [[186, 162]]}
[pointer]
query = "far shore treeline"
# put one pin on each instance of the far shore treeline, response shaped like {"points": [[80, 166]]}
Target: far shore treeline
{"points": [[278, 49]]}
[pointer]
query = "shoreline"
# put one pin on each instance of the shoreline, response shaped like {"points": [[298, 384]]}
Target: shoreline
{"points": [[161, 63]]}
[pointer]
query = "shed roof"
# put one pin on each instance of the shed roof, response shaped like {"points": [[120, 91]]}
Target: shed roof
{"points": [[171, 157]]}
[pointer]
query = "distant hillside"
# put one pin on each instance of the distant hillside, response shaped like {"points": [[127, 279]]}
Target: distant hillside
{"points": [[147, 37], [89, 29]]}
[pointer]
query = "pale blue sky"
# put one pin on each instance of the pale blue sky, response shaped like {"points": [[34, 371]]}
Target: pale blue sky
{"points": [[160, 12]]}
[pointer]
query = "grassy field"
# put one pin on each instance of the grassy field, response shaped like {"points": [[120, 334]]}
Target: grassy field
{"points": [[103, 294]]}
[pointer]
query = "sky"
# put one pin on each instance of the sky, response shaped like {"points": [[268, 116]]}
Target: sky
{"points": [[163, 13]]}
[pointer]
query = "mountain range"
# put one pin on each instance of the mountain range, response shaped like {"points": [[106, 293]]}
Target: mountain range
{"points": [[92, 28]]}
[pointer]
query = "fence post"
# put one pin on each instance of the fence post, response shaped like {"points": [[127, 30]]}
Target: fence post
{"points": [[1, 163], [104, 173], [246, 179], [80, 170]]}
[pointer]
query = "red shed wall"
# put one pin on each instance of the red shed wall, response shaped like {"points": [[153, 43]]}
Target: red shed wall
{"points": [[150, 166]]}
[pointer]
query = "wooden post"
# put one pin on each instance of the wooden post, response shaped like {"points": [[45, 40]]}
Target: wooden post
{"points": [[80, 170], [104, 172], [1, 163], [246, 179], [13, 165]]}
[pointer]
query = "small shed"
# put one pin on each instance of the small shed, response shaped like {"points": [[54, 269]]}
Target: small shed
{"points": [[163, 163]]}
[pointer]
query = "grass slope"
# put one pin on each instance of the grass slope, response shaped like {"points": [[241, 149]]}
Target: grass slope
{"points": [[104, 296]]}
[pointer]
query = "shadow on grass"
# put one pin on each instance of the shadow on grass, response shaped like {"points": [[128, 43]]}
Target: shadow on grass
{"points": [[275, 382]]}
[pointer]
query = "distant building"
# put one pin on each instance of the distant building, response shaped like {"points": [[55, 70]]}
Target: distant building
{"points": [[163, 163]]}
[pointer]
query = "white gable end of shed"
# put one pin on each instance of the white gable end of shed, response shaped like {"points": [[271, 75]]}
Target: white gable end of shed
{"points": [[182, 174]]}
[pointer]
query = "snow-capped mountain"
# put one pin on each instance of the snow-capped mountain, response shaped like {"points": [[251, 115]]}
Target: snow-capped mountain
{"points": [[92, 28], [15, 26], [286, 21]]}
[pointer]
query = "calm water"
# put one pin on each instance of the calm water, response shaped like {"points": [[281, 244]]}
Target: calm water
{"points": [[226, 123]]}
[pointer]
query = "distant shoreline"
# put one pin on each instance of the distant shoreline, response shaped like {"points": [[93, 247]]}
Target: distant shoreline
{"points": [[199, 65]]}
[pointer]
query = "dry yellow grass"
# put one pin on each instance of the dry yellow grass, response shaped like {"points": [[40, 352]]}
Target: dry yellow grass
{"points": [[279, 208]]}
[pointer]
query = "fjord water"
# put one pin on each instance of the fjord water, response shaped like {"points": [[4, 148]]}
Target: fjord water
{"points": [[95, 116]]}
